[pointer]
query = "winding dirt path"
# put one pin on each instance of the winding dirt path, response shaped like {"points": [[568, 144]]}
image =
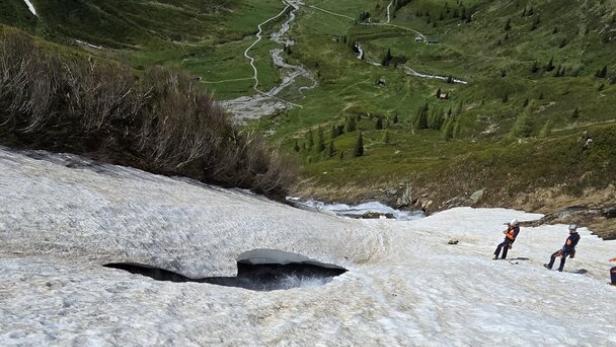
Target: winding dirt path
{"points": [[265, 103], [408, 70], [259, 36]]}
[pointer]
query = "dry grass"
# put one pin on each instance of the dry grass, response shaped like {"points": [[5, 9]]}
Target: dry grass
{"points": [[160, 121]]}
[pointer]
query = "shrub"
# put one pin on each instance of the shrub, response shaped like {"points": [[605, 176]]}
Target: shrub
{"points": [[161, 121], [358, 150]]}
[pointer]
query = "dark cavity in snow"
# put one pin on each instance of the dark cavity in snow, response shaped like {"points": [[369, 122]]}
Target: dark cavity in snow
{"points": [[261, 273]]}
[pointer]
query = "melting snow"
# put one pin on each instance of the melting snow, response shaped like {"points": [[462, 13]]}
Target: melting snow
{"points": [[405, 285]]}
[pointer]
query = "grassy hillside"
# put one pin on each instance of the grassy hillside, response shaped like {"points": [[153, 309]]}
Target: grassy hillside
{"points": [[540, 80], [516, 101]]}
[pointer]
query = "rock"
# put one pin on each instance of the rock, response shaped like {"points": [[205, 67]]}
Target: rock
{"points": [[609, 212], [476, 196], [376, 215], [405, 199], [453, 242]]}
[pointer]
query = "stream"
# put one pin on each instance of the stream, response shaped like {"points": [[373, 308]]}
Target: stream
{"points": [[267, 102], [366, 210]]}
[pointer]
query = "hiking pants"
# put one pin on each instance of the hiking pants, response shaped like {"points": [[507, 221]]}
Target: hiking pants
{"points": [[613, 273], [505, 247], [563, 257]]}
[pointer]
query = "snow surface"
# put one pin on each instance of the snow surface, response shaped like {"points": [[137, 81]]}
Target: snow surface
{"points": [[31, 7], [405, 285]]}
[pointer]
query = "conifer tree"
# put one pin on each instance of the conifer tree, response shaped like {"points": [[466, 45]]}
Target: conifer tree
{"points": [[358, 150], [388, 58], [379, 123], [351, 124], [602, 73], [550, 65], [508, 25]]}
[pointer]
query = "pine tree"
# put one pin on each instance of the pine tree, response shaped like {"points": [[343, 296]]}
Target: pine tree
{"points": [[396, 119], [340, 129], [550, 65], [379, 123], [296, 147], [387, 59], [333, 132], [351, 125], [358, 151], [526, 101], [508, 25], [535, 67], [575, 114], [602, 73], [438, 93]]}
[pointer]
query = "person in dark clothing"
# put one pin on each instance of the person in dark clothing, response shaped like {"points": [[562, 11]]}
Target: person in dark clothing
{"points": [[613, 272], [513, 229], [568, 249]]}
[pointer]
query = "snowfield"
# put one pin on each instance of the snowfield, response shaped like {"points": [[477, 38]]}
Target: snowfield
{"points": [[61, 218]]}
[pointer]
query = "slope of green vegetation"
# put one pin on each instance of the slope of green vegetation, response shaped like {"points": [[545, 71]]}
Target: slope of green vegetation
{"points": [[541, 81], [539, 73]]}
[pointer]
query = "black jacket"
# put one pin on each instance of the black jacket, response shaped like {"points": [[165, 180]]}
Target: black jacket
{"points": [[571, 242]]}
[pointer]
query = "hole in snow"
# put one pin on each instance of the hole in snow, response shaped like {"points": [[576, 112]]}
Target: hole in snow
{"points": [[260, 270]]}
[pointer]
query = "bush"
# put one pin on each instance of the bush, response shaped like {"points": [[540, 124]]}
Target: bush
{"points": [[161, 121]]}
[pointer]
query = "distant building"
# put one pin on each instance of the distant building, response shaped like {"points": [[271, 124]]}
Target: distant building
{"points": [[443, 96]]}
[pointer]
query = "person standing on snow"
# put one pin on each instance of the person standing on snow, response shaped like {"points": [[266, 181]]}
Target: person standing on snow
{"points": [[613, 272], [513, 229], [568, 249]]}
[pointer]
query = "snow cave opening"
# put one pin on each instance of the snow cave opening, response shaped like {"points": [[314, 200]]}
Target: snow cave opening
{"points": [[258, 270]]}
